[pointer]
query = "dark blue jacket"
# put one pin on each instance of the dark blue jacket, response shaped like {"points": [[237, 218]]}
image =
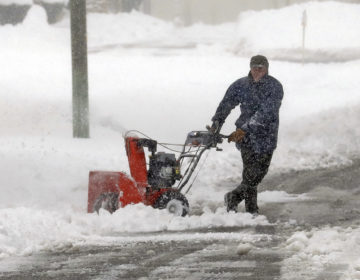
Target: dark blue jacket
{"points": [[259, 104]]}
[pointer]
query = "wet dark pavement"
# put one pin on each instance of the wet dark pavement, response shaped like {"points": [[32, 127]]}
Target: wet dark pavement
{"points": [[185, 259], [214, 253], [335, 196]]}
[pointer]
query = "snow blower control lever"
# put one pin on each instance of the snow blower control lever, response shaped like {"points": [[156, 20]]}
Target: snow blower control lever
{"points": [[153, 186]]}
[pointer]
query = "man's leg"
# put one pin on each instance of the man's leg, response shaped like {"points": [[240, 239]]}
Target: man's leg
{"points": [[233, 198], [255, 167], [251, 200]]}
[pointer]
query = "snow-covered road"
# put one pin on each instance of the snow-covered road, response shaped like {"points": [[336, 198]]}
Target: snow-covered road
{"points": [[294, 246]]}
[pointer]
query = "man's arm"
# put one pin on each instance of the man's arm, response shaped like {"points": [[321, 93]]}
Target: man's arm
{"points": [[230, 100]]}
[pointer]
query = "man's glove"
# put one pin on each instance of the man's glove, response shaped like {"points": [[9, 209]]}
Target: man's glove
{"points": [[214, 127], [236, 136]]}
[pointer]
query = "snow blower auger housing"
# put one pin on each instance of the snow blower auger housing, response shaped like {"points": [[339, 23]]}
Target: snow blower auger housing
{"points": [[154, 186]]}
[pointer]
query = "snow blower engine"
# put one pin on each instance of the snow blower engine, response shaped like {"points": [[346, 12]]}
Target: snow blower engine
{"points": [[153, 186]]}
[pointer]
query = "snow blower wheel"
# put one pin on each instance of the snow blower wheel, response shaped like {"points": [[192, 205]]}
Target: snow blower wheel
{"points": [[175, 202], [107, 201]]}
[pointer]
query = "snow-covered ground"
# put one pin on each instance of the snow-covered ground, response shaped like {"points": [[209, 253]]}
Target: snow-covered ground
{"points": [[322, 247], [166, 86]]}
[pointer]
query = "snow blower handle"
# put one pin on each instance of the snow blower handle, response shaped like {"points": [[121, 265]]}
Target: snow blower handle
{"points": [[202, 141], [205, 139], [214, 128]]}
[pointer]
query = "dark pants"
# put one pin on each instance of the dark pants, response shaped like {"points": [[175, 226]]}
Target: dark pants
{"points": [[255, 167]]}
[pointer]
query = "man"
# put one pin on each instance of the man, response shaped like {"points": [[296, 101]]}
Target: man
{"points": [[259, 96]]}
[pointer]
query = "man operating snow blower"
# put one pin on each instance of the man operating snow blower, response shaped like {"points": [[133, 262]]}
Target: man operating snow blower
{"points": [[259, 96]]}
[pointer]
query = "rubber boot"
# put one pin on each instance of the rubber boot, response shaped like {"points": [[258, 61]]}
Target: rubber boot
{"points": [[251, 201], [233, 198]]}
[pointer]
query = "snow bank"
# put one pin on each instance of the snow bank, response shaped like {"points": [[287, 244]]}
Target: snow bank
{"points": [[35, 17], [65, 2], [327, 27], [331, 27], [27, 230], [255, 32], [130, 29], [30, 2], [321, 248], [15, 2], [127, 28], [325, 139]]}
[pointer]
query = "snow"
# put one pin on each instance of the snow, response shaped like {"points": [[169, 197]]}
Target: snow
{"points": [[243, 249], [326, 27], [24, 230], [280, 196], [170, 84], [328, 32], [36, 16], [30, 2], [327, 246], [64, 2], [15, 2]]}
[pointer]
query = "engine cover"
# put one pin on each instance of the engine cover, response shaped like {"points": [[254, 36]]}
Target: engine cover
{"points": [[164, 170]]}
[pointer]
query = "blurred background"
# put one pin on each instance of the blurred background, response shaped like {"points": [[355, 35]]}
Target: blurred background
{"points": [[184, 12]]}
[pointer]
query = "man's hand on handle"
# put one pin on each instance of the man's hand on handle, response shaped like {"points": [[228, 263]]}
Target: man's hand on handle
{"points": [[214, 128], [236, 136]]}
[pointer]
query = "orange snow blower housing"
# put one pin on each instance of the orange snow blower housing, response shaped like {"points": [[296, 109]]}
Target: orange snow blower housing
{"points": [[112, 190]]}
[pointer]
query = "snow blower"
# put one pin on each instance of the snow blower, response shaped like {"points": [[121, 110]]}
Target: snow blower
{"points": [[153, 186]]}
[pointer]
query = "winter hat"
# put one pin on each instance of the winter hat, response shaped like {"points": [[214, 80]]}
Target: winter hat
{"points": [[259, 61]]}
